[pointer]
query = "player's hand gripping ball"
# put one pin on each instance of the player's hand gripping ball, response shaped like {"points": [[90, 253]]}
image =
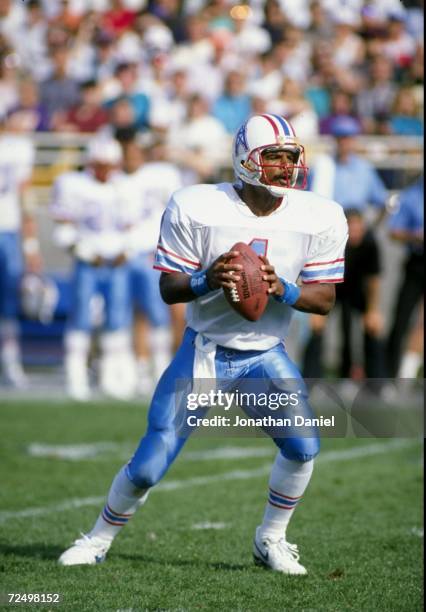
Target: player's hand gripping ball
{"points": [[249, 295]]}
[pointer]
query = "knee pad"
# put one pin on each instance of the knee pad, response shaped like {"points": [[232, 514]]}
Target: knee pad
{"points": [[144, 477], [152, 459], [146, 471], [299, 449]]}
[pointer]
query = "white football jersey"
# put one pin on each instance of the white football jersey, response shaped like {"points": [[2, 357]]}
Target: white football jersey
{"points": [[305, 237], [147, 192], [16, 167], [97, 210]]}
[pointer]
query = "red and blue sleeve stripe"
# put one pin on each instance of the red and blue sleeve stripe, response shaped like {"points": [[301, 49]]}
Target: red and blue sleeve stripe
{"points": [[324, 271], [168, 261]]}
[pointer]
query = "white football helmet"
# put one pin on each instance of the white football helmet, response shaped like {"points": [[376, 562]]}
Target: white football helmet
{"points": [[104, 150], [262, 132], [39, 297]]}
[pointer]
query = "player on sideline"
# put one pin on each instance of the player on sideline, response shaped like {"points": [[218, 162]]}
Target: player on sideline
{"points": [[299, 234], [92, 222], [150, 185], [19, 246]]}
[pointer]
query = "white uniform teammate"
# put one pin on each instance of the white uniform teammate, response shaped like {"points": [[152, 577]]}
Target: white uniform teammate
{"points": [[19, 248], [93, 223], [149, 186], [304, 237]]}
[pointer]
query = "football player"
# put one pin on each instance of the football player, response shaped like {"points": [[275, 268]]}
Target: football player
{"points": [[298, 235], [19, 246], [150, 185], [92, 223]]}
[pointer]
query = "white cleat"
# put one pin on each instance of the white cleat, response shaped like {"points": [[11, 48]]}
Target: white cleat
{"points": [[118, 377], [14, 376], [278, 555], [85, 551], [77, 379], [79, 393], [145, 387]]}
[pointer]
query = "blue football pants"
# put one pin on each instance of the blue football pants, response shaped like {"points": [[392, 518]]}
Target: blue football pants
{"points": [[163, 441], [146, 291], [112, 283], [11, 270]]}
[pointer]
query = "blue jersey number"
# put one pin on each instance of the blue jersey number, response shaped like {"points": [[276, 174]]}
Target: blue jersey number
{"points": [[260, 245]]}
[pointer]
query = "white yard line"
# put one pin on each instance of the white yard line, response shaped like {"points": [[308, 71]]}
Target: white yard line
{"points": [[364, 451], [84, 452], [69, 504], [173, 485], [208, 525], [417, 531], [229, 452], [73, 452], [81, 452]]}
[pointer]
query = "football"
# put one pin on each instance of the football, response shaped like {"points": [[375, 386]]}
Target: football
{"points": [[250, 294]]}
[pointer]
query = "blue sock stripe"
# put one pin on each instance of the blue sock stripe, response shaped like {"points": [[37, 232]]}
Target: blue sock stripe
{"points": [[283, 501], [280, 506], [114, 517], [286, 497]]}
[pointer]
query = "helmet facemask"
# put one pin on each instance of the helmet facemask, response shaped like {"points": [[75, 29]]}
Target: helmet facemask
{"points": [[277, 173], [293, 174]]}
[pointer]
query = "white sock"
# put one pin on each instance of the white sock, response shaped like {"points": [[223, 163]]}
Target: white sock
{"points": [[77, 346], [160, 350], [9, 337], [77, 343], [10, 354], [287, 484], [117, 366], [410, 365], [122, 502], [145, 382], [143, 366]]}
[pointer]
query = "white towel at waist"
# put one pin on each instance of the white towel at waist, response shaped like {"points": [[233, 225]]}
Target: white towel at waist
{"points": [[204, 371]]}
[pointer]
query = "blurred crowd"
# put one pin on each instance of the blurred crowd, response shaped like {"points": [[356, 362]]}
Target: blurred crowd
{"points": [[193, 71], [165, 84]]}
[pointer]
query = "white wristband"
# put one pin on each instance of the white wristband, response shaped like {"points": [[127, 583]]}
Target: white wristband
{"points": [[65, 235], [30, 246]]}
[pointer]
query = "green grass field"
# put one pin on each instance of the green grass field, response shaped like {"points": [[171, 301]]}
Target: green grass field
{"points": [[359, 528]]}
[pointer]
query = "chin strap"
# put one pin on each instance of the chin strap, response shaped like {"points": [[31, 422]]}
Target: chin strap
{"points": [[277, 192]]}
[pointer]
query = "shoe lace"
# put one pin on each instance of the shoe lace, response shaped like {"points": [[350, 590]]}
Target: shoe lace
{"points": [[88, 542], [288, 549], [84, 540]]}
